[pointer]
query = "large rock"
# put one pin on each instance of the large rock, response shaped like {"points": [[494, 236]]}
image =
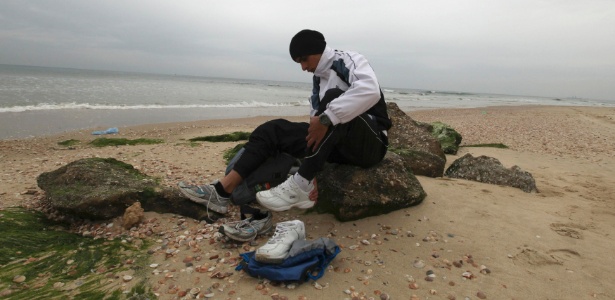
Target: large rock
{"points": [[420, 151], [352, 193], [102, 188], [490, 170], [448, 137]]}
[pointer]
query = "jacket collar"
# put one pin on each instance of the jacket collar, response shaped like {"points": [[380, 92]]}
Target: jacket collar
{"points": [[326, 60]]}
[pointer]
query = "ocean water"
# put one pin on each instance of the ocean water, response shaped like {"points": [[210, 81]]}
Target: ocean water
{"points": [[39, 100]]}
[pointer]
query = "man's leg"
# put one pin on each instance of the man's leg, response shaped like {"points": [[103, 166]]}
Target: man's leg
{"points": [[266, 141], [357, 142]]}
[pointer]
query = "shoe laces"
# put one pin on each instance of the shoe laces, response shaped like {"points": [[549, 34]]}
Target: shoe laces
{"points": [[280, 232], [212, 193], [242, 223], [284, 186], [245, 223]]}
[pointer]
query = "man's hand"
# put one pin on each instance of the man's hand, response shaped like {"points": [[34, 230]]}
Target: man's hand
{"points": [[316, 132], [314, 193]]}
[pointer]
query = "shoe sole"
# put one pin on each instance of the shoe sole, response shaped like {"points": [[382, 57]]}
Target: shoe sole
{"points": [[262, 258], [208, 204], [240, 239], [235, 238], [300, 205]]}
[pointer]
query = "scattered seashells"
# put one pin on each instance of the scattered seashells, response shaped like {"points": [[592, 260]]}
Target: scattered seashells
{"points": [[195, 291], [467, 274], [19, 279], [419, 264]]}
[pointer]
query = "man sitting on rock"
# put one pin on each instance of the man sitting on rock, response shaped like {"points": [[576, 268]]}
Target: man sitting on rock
{"points": [[348, 125]]}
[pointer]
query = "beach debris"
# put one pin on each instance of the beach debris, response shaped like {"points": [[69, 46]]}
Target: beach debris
{"points": [[133, 215], [111, 130]]}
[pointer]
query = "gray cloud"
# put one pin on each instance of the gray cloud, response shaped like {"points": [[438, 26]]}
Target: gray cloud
{"points": [[545, 48]]}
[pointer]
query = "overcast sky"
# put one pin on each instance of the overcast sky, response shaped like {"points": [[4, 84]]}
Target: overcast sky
{"points": [[557, 48]]}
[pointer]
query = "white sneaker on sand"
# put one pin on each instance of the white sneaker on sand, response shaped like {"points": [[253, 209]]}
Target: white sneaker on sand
{"points": [[276, 249], [285, 196]]}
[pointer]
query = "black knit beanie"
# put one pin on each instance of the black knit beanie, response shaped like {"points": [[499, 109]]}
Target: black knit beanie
{"points": [[307, 42]]}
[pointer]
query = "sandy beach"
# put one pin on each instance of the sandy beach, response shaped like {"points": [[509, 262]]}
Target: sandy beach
{"points": [[555, 244]]}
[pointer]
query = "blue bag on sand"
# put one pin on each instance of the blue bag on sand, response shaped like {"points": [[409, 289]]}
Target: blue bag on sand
{"points": [[306, 260]]}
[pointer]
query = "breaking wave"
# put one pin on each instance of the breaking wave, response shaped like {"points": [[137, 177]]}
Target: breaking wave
{"points": [[73, 105]]}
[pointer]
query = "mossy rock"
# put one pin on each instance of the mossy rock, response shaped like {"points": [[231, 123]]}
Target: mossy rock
{"points": [[449, 138], [352, 193], [95, 188], [102, 188]]}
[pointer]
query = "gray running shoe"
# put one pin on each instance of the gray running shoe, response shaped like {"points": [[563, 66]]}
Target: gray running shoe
{"points": [[205, 195], [248, 229]]}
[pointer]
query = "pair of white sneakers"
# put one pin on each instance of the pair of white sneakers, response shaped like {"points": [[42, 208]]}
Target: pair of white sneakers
{"points": [[275, 251], [280, 198]]}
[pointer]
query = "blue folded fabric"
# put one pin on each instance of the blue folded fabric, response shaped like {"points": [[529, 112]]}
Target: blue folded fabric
{"points": [[108, 131]]}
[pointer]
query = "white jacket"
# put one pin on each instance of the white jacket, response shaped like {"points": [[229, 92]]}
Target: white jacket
{"points": [[350, 72]]}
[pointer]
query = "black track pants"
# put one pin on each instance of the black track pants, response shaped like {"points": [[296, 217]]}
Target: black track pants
{"points": [[358, 142]]}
